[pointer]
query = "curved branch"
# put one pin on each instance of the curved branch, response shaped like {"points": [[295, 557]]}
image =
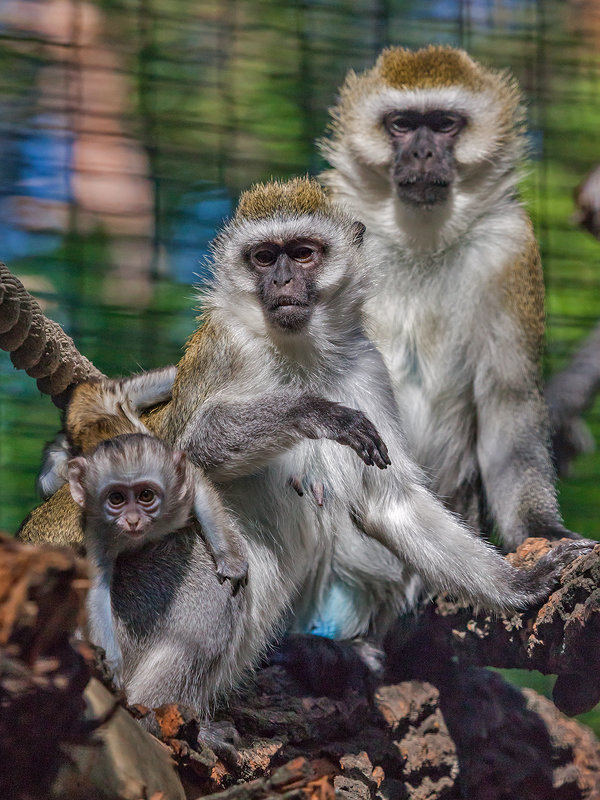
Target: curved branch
{"points": [[559, 638], [37, 344]]}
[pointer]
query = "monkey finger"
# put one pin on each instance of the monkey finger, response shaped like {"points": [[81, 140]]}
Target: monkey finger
{"points": [[375, 454], [358, 444], [376, 443], [366, 445]]}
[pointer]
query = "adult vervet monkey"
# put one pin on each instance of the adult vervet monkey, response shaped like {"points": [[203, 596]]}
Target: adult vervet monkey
{"points": [[425, 149]]}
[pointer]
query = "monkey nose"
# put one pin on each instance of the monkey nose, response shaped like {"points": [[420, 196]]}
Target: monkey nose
{"points": [[132, 522]]}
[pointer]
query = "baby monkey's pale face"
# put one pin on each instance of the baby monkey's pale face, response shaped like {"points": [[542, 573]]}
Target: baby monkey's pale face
{"points": [[132, 507]]}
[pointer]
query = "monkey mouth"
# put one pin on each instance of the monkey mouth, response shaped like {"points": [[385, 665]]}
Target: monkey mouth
{"points": [[287, 301], [289, 313], [423, 190]]}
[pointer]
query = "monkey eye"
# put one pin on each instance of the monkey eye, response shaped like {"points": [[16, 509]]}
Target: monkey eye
{"points": [[399, 123], [146, 496], [302, 253], [445, 122], [116, 498], [264, 256]]}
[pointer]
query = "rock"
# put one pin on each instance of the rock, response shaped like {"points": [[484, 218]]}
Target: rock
{"points": [[121, 761]]}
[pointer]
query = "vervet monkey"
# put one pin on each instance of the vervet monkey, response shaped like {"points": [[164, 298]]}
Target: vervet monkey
{"points": [[283, 328], [171, 631], [425, 149]]}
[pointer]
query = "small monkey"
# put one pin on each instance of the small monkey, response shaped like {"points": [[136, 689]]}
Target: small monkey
{"points": [[103, 409], [136, 497], [425, 148]]}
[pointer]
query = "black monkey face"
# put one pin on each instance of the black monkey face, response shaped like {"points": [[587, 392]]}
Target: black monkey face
{"points": [[286, 274], [423, 165]]}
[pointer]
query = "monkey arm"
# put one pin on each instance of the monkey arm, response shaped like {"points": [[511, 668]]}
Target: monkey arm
{"points": [[513, 440], [233, 438], [221, 534], [513, 449]]}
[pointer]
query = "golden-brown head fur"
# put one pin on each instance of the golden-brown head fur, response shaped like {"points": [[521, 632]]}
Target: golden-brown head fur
{"points": [[433, 67], [295, 197], [430, 67]]}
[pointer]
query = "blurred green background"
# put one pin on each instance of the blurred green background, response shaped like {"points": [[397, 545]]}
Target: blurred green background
{"points": [[128, 128]]}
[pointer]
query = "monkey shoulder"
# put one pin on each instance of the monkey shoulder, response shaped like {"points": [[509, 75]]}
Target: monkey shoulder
{"points": [[208, 366], [519, 287]]}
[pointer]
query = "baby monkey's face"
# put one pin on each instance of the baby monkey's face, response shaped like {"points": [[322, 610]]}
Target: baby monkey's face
{"points": [[132, 508]]}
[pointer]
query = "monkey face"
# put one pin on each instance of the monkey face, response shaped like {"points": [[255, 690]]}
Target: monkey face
{"points": [[132, 508], [286, 273], [422, 169]]}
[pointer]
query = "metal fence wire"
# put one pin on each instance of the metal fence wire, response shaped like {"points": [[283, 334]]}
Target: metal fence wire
{"points": [[128, 128]]}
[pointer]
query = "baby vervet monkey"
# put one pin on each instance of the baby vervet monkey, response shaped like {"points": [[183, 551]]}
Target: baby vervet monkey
{"points": [[103, 409], [425, 148], [153, 585]]}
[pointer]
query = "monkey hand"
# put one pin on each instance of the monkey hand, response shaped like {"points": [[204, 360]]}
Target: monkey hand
{"points": [[232, 567], [320, 418], [537, 582]]}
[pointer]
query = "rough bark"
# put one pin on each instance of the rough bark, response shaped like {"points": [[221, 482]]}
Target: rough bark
{"points": [[472, 737], [561, 637]]}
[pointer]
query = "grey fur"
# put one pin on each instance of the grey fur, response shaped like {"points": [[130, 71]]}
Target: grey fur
{"points": [[379, 528], [53, 472]]}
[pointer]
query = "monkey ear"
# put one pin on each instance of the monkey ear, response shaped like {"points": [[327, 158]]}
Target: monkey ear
{"points": [[358, 232], [77, 467], [183, 468], [180, 462], [179, 459]]}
